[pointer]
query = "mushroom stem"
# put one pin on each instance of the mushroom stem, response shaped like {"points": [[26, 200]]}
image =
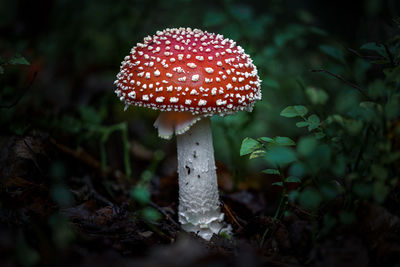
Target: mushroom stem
{"points": [[199, 206]]}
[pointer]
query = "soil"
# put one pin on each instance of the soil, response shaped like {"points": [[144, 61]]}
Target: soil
{"points": [[88, 218]]}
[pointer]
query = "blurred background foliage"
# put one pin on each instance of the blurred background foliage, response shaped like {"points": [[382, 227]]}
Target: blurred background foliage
{"points": [[59, 60], [76, 47]]}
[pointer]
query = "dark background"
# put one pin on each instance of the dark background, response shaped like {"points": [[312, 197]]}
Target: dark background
{"points": [[87, 183]]}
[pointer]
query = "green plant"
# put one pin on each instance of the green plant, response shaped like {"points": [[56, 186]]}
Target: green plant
{"points": [[351, 149]]}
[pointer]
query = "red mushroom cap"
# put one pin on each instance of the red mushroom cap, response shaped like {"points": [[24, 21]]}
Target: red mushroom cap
{"points": [[189, 70]]}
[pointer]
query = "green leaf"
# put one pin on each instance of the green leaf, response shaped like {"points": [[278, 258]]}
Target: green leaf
{"points": [[310, 198], [257, 153], [354, 127], [293, 179], [333, 52], [284, 141], [369, 104], [150, 214], [62, 195], [379, 171], [298, 169], [90, 115], [25, 254], [278, 183], [393, 74], [62, 232], [280, 155], [140, 194], [302, 124], [271, 171], [266, 139], [316, 96], [329, 190], [279, 140], [18, 60], [306, 146], [319, 135], [294, 111], [293, 196], [379, 48], [318, 31], [313, 122], [249, 145]]}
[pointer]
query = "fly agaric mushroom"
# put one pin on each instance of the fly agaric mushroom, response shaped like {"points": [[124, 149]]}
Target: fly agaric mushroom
{"points": [[190, 75]]}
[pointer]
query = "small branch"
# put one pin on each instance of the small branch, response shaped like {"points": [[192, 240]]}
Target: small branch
{"points": [[160, 233], [230, 214], [162, 211], [361, 151], [362, 56], [344, 80], [93, 192], [33, 156], [389, 55], [87, 159]]}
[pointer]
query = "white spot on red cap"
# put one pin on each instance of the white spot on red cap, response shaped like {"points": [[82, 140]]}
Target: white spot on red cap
{"points": [[173, 99], [209, 70], [202, 102], [195, 77], [160, 99]]}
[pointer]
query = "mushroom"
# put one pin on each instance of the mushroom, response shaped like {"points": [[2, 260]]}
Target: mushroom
{"points": [[190, 75]]}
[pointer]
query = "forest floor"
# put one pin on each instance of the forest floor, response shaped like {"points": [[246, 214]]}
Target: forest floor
{"points": [[102, 226]]}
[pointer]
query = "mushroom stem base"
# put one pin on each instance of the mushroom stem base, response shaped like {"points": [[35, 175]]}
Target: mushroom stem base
{"points": [[199, 206]]}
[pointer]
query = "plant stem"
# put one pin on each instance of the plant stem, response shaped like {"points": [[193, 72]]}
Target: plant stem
{"points": [[281, 206], [105, 132]]}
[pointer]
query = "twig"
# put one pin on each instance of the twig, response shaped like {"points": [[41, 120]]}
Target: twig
{"points": [[389, 55], [361, 151], [362, 56], [159, 232], [301, 210], [33, 156], [344, 80], [93, 192], [230, 215], [86, 158], [162, 211]]}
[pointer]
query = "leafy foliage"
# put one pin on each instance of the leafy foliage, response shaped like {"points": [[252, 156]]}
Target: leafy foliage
{"points": [[351, 152]]}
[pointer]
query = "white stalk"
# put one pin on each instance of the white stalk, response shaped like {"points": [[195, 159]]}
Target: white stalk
{"points": [[199, 206]]}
